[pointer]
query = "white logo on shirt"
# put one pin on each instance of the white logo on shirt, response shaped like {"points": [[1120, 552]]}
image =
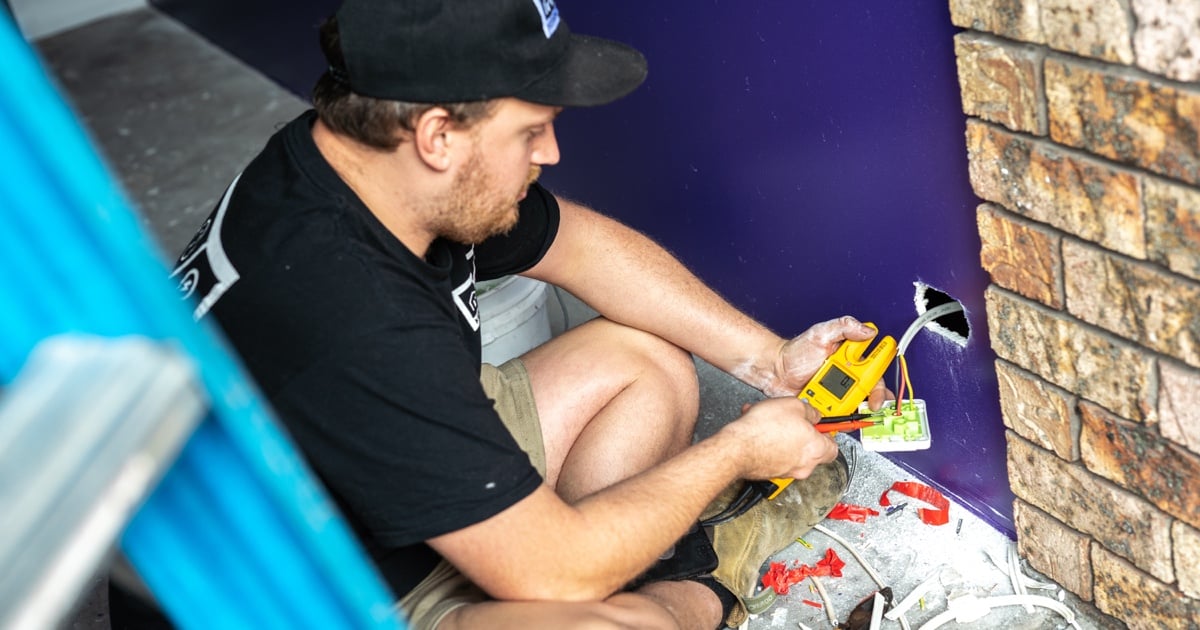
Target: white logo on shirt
{"points": [[204, 266], [464, 295]]}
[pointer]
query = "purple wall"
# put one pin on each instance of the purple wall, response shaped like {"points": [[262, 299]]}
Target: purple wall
{"points": [[806, 159]]}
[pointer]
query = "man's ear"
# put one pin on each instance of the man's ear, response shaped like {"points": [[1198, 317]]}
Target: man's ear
{"points": [[433, 138]]}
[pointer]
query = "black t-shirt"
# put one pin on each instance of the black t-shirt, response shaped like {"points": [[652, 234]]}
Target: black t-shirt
{"points": [[368, 354]]}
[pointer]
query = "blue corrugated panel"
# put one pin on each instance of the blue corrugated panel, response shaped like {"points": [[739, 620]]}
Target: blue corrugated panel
{"points": [[239, 533]]}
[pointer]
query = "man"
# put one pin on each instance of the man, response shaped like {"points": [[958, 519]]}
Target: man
{"points": [[540, 493]]}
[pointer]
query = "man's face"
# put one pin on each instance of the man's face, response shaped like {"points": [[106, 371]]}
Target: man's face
{"points": [[508, 150]]}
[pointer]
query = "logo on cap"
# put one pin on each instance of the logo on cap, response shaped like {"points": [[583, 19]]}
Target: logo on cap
{"points": [[548, 11]]}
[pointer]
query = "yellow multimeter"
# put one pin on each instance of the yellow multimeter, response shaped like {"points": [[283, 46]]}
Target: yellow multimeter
{"points": [[845, 380], [847, 376]]}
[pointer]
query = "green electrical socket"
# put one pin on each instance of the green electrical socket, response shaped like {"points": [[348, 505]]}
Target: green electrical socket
{"points": [[907, 432]]}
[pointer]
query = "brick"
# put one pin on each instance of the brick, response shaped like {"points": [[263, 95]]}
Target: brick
{"points": [[1133, 120], [1001, 82], [1138, 459], [1014, 19], [1054, 549], [1187, 558], [1135, 300], [1020, 255], [1179, 404], [1137, 599], [1167, 39], [1100, 29], [1045, 183], [1173, 225], [1038, 411], [1071, 354], [1120, 520]]}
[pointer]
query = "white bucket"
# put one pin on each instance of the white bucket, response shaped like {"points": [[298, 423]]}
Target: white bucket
{"points": [[512, 317]]}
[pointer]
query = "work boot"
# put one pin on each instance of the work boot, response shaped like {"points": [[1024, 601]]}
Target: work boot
{"points": [[744, 543]]}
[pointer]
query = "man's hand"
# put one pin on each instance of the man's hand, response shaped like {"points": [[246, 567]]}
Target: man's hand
{"points": [[779, 439], [800, 358]]}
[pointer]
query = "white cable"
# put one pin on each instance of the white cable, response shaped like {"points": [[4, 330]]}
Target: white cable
{"points": [[877, 611], [870, 571], [1015, 564], [925, 318], [825, 600], [969, 606], [1026, 581], [916, 326], [912, 598], [865, 565]]}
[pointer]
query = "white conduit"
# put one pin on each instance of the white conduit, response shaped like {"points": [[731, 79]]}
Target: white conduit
{"points": [[1014, 564], [877, 611], [862, 561], [968, 608], [925, 318], [825, 600], [915, 596], [842, 541]]}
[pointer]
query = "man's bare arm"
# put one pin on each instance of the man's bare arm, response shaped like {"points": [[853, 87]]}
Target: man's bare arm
{"points": [[630, 279], [545, 549]]}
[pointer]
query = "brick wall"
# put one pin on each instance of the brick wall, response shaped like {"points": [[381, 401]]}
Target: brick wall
{"points": [[1084, 143]]}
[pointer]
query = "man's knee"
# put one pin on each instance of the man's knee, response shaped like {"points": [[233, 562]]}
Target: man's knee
{"points": [[623, 611], [673, 363], [628, 611]]}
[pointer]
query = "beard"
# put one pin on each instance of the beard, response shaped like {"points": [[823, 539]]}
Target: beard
{"points": [[476, 208]]}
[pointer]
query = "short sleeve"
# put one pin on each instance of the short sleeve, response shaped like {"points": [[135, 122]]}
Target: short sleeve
{"points": [[524, 245]]}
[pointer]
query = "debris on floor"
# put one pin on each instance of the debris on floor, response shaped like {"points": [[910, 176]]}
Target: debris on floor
{"points": [[927, 576]]}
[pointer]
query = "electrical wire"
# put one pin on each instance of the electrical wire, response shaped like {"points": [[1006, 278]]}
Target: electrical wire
{"points": [[825, 600], [912, 394], [751, 494], [973, 608], [897, 611], [913, 328], [854, 552], [899, 387], [877, 611], [925, 318], [906, 384], [1014, 563], [861, 561]]}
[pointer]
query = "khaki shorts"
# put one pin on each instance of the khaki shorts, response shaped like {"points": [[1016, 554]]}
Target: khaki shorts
{"points": [[445, 589]]}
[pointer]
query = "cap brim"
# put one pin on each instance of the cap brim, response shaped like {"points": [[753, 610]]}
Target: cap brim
{"points": [[594, 71]]}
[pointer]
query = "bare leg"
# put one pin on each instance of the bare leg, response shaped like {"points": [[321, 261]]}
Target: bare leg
{"points": [[657, 606], [613, 402]]}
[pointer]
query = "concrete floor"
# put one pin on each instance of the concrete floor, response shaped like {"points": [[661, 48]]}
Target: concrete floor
{"points": [[177, 118]]}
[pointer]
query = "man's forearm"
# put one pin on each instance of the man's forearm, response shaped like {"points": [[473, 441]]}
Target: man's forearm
{"points": [[647, 513], [603, 541], [596, 546], [630, 279]]}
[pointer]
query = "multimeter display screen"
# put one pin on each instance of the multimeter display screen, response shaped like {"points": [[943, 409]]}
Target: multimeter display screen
{"points": [[837, 382]]}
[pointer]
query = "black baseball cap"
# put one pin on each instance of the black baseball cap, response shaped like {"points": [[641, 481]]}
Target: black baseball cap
{"points": [[447, 51]]}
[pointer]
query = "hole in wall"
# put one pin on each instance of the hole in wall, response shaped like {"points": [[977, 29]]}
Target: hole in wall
{"points": [[950, 320]]}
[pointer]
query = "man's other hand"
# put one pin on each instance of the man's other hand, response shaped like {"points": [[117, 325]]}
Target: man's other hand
{"points": [[801, 357]]}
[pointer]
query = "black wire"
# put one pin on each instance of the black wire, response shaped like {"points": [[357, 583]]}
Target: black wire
{"points": [[733, 510], [750, 496]]}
